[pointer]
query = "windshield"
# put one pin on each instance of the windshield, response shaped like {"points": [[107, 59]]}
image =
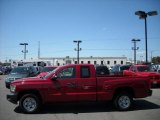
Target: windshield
{"points": [[51, 73], [48, 69], [20, 70], [143, 68]]}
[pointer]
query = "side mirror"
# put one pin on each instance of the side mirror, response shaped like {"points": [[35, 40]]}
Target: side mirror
{"points": [[54, 78], [134, 70]]}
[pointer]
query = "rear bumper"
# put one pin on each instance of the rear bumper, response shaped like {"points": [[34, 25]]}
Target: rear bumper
{"points": [[155, 84], [13, 98]]}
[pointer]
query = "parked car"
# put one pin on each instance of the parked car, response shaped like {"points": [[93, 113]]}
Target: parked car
{"points": [[77, 83], [155, 68], [144, 70], [46, 70], [101, 70], [118, 69], [158, 68], [2, 70], [20, 72]]}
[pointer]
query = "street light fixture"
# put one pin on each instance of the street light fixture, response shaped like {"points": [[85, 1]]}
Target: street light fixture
{"points": [[24, 51], [78, 49], [143, 15]]}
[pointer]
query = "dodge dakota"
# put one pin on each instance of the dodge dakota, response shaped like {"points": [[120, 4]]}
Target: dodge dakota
{"points": [[77, 83]]}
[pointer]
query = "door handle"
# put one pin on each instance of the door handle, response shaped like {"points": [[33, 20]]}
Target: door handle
{"points": [[71, 84], [88, 87]]}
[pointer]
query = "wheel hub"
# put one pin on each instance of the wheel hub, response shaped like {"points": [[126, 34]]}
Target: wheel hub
{"points": [[29, 104], [124, 102]]}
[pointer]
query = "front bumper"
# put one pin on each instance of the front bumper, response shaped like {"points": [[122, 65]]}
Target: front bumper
{"points": [[13, 98], [8, 84], [150, 93]]}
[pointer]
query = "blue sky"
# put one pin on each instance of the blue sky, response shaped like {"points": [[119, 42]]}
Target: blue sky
{"points": [[106, 28]]}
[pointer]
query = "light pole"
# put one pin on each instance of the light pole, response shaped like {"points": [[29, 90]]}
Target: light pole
{"points": [[143, 15], [135, 48], [78, 49], [24, 51]]}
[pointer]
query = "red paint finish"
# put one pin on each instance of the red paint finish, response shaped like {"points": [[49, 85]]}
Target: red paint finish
{"points": [[143, 70], [78, 82]]}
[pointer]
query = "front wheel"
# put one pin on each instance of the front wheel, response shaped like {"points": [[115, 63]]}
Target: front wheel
{"points": [[123, 101], [30, 103]]}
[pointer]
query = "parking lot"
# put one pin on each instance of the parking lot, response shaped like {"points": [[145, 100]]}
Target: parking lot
{"points": [[143, 109]]}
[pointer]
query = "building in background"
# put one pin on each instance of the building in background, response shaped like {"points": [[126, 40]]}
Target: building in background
{"points": [[109, 61], [58, 61]]}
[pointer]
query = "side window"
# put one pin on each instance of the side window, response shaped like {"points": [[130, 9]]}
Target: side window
{"points": [[34, 69], [31, 70], [130, 69], [85, 72], [134, 69], [67, 73]]}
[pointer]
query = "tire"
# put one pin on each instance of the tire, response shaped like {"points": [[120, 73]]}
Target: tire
{"points": [[30, 103], [123, 101]]}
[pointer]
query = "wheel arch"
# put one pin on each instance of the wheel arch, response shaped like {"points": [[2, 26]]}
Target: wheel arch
{"points": [[128, 90], [31, 91]]}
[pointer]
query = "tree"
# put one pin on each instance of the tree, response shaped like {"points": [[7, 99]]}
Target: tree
{"points": [[156, 60]]}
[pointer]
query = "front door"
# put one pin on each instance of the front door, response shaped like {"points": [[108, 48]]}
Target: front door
{"points": [[64, 88]]}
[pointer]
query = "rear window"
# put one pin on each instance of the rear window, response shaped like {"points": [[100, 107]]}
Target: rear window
{"points": [[143, 69], [125, 68], [85, 72], [102, 70]]}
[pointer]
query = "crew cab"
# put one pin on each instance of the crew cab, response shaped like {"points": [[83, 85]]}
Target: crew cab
{"points": [[144, 70], [77, 83]]}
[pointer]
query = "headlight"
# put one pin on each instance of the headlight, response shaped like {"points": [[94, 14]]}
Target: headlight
{"points": [[12, 88]]}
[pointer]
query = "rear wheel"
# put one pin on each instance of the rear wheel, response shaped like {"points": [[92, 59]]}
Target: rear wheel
{"points": [[123, 101], [30, 103]]}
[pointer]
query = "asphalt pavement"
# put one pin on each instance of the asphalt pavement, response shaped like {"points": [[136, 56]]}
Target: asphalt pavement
{"points": [[143, 109]]}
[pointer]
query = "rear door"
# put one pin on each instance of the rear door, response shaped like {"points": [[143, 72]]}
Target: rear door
{"points": [[86, 84]]}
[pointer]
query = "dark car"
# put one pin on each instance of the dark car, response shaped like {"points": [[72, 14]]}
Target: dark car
{"points": [[20, 72], [102, 70], [118, 69]]}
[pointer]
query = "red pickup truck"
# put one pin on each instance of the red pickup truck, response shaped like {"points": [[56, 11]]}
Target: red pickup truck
{"points": [[144, 70], [77, 83]]}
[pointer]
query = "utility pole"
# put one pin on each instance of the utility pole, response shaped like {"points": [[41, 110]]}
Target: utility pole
{"points": [[135, 48], [78, 49], [24, 51]]}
